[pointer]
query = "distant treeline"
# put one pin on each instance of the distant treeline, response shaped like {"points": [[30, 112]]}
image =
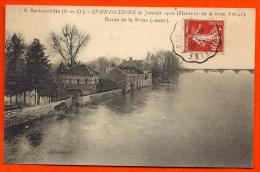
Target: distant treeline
{"points": [[162, 63], [102, 64]]}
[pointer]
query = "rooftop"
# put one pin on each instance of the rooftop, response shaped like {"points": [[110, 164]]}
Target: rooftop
{"points": [[76, 69], [139, 65]]}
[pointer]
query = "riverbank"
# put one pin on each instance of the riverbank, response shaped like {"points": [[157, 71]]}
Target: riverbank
{"points": [[27, 114], [186, 123]]}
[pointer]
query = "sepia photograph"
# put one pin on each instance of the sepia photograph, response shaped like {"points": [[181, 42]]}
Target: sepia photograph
{"points": [[129, 86]]}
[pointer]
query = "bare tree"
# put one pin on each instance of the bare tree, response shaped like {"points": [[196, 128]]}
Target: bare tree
{"points": [[102, 63], [69, 42]]}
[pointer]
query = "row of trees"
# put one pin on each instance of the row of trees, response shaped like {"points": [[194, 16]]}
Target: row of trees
{"points": [[102, 64], [163, 64], [27, 68]]}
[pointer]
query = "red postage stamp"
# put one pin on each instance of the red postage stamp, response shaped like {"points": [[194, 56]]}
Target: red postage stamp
{"points": [[204, 36]]}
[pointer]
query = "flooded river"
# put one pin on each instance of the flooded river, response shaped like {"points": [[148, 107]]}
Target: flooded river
{"points": [[200, 119]]}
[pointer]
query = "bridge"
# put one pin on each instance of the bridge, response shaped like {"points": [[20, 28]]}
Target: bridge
{"points": [[218, 70]]}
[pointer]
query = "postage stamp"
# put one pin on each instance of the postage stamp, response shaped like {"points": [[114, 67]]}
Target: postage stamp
{"points": [[204, 35], [197, 41]]}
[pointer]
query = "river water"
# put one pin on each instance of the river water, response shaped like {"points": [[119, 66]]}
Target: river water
{"points": [[200, 119]]}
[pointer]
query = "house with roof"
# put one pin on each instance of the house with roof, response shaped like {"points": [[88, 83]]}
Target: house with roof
{"points": [[129, 76], [78, 80], [138, 73]]}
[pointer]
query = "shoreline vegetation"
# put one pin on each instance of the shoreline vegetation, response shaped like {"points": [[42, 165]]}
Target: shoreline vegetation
{"points": [[28, 69], [32, 81]]}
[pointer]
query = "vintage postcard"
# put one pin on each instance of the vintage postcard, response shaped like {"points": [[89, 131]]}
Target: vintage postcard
{"points": [[129, 86]]}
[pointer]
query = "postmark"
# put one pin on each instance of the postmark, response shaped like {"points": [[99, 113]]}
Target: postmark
{"points": [[200, 41]]}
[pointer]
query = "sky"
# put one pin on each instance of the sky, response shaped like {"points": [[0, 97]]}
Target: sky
{"points": [[134, 39]]}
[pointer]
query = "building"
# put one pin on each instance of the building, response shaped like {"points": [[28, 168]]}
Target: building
{"points": [[129, 76], [138, 73], [77, 80]]}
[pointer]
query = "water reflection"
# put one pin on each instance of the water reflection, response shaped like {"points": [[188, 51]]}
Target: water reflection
{"points": [[128, 103], [199, 119], [34, 139]]}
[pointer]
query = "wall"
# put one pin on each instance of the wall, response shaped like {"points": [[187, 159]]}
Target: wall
{"points": [[72, 79], [70, 82], [83, 100], [30, 113]]}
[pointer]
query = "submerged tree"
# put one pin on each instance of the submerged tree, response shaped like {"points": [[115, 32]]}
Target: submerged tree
{"points": [[14, 66], [68, 43], [163, 63], [37, 68]]}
